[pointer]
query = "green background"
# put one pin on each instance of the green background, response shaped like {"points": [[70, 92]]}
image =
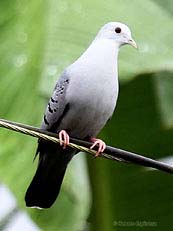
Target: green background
{"points": [[38, 39]]}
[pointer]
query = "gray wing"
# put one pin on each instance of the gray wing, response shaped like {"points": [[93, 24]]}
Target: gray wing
{"points": [[57, 105]]}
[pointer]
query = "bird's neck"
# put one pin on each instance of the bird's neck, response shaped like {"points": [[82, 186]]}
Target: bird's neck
{"points": [[102, 52]]}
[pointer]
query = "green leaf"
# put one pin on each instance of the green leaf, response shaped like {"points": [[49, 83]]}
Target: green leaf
{"points": [[164, 93]]}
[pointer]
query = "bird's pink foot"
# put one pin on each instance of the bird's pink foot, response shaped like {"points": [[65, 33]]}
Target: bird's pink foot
{"points": [[101, 145], [64, 138]]}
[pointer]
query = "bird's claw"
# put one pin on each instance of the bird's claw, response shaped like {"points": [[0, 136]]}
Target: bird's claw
{"points": [[101, 146], [64, 138]]}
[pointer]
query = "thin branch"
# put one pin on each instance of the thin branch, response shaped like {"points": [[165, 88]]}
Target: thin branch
{"points": [[110, 152]]}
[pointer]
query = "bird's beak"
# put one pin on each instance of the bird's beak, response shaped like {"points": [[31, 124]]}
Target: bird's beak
{"points": [[132, 43]]}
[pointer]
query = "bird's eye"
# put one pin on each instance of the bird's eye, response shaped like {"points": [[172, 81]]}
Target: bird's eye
{"points": [[118, 30]]}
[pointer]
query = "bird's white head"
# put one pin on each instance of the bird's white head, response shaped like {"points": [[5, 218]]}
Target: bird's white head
{"points": [[118, 32]]}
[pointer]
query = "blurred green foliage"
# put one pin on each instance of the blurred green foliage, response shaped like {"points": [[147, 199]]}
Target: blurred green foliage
{"points": [[38, 39]]}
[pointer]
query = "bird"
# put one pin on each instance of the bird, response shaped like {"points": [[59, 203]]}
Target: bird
{"points": [[83, 100]]}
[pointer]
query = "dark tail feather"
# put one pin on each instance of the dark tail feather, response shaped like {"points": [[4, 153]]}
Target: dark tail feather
{"points": [[48, 178], [42, 191]]}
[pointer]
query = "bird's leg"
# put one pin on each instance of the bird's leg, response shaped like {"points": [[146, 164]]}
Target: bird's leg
{"points": [[64, 138], [100, 143]]}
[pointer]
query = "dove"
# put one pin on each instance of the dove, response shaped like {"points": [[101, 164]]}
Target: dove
{"points": [[82, 102]]}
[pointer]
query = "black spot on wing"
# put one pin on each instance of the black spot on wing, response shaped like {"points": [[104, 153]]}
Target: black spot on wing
{"points": [[49, 108], [53, 100], [56, 124], [45, 120]]}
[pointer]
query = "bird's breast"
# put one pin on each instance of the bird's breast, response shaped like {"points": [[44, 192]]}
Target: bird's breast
{"points": [[91, 105]]}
